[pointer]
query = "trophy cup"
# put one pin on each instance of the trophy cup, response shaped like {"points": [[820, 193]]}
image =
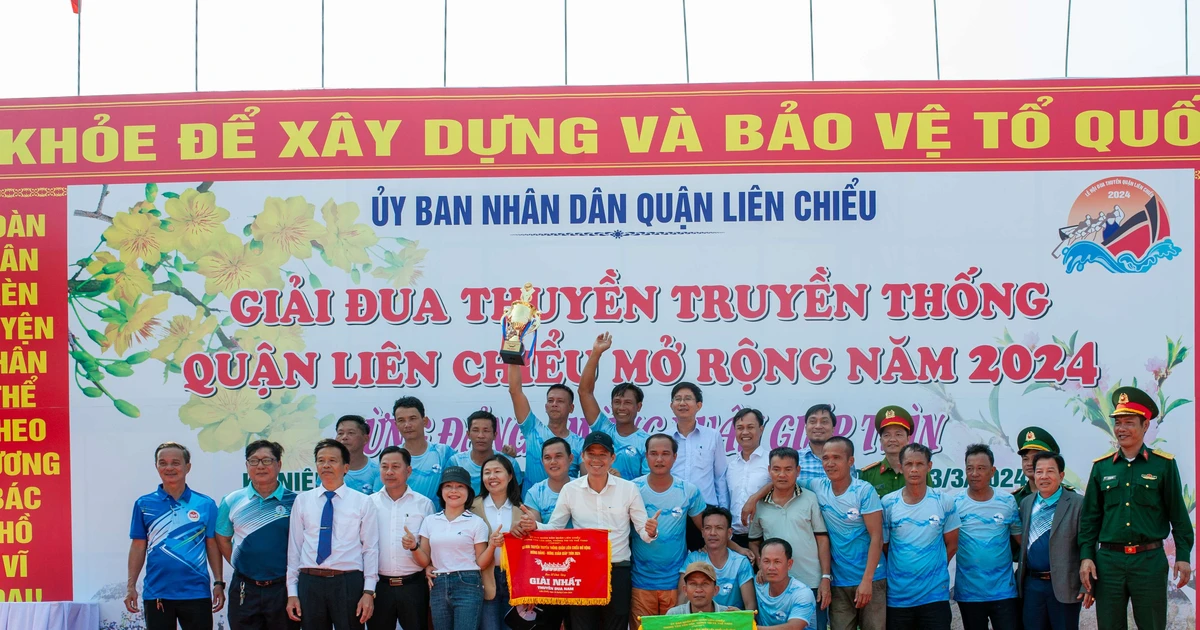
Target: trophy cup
{"points": [[520, 319]]}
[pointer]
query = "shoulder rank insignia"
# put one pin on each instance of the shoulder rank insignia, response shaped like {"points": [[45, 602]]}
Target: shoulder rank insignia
{"points": [[1162, 454], [1104, 456]]}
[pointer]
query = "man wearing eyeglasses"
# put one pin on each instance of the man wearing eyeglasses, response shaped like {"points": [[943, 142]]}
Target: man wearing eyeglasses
{"points": [[252, 534]]}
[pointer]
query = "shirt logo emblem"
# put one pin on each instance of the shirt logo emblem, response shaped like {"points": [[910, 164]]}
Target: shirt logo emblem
{"points": [[934, 519], [1149, 477], [997, 518], [436, 468], [281, 510], [852, 514], [726, 588], [675, 511], [193, 516]]}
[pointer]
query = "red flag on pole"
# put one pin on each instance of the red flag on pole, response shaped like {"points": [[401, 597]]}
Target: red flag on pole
{"points": [[75, 5]]}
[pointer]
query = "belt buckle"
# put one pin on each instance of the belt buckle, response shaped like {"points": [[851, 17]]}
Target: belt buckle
{"points": [[1131, 549], [396, 581]]}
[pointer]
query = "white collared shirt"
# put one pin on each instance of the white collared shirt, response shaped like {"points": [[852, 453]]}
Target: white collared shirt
{"points": [[408, 511], [355, 535], [452, 543], [612, 509], [498, 516], [744, 479], [701, 460]]}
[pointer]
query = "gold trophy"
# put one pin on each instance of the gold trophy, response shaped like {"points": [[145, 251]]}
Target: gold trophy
{"points": [[520, 319]]}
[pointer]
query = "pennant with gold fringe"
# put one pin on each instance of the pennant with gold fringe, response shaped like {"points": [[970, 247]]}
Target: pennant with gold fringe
{"points": [[732, 620], [558, 567]]}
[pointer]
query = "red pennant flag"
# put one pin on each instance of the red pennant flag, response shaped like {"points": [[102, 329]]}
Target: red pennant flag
{"points": [[75, 5]]}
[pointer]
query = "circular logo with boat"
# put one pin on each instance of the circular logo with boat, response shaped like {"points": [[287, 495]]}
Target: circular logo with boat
{"points": [[1118, 223]]}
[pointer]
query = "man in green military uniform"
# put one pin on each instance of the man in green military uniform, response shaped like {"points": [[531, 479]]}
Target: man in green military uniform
{"points": [[1030, 442], [1134, 499], [895, 426]]}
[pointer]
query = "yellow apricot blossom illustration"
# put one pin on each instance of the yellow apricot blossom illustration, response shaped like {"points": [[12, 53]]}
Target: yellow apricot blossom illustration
{"points": [[345, 241], [128, 284], [282, 338], [138, 327], [232, 265], [197, 221], [286, 227], [185, 335], [139, 237], [225, 418], [403, 266]]}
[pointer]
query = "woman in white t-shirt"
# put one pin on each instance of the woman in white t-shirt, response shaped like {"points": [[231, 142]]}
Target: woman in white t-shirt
{"points": [[456, 543]]}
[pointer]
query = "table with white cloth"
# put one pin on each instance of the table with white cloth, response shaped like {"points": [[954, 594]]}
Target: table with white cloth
{"points": [[50, 616]]}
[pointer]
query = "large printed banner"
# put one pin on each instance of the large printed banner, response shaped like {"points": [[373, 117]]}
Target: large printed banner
{"points": [[561, 567], [732, 620], [218, 268]]}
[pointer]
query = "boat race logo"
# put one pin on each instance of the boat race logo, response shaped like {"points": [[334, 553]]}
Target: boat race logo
{"points": [[1118, 223]]}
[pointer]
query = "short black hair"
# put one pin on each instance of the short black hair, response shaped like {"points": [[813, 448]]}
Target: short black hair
{"points": [[660, 436], [695, 389], [409, 402], [187, 455], [404, 454], [844, 441], [332, 443], [918, 447], [621, 388], [556, 440], [785, 452], [826, 407], [570, 394], [275, 448], [980, 449], [483, 414], [787, 546], [716, 510], [745, 411], [362, 423], [1058, 460]]}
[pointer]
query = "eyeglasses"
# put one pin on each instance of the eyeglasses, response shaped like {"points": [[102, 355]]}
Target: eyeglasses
{"points": [[266, 461], [683, 399]]}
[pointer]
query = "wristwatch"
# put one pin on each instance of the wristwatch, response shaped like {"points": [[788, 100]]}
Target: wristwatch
{"points": [[371, 593], [219, 583], [826, 576]]}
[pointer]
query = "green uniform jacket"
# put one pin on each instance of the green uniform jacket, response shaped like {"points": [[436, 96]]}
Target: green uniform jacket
{"points": [[1132, 503], [884, 479]]}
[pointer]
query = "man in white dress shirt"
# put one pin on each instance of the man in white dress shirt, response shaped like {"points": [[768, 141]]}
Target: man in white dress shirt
{"points": [[403, 593], [602, 501], [748, 469], [333, 549], [701, 456]]}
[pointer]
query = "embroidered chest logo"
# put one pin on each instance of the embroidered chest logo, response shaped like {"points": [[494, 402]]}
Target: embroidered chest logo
{"points": [[852, 514], [997, 518], [934, 519], [193, 516]]}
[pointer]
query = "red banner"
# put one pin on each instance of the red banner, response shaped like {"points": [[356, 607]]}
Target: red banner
{"points": [[948, 125], [35, 443], [568, 566]]}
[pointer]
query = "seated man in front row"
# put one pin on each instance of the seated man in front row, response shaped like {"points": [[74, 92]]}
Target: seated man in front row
{"points": [[784, 603], [700, 585]]}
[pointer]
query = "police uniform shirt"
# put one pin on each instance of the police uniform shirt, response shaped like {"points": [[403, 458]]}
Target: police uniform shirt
{"points": [[452, 542], [175, 533], [259, 528]]}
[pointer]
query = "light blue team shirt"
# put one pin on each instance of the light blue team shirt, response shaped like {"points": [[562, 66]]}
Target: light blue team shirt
{"points": [[631, 449], [476, 471], [849, 539], [427, 471], [366, 479], [536, 433], [796, 602], [656, 564], [730, 578], [917, 570], [543, 499], [984, 572]]}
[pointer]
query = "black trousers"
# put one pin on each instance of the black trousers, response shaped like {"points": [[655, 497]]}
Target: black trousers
{"points": [[407, 603], [615, 614], [931, 616], [1004, 614], [329, 602], [190, 614], [253, 607]]}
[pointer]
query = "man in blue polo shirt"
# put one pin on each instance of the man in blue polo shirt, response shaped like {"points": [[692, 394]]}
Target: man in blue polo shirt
{"points": [[252, 533], [560, 402], [172, 535], [626, 403]]}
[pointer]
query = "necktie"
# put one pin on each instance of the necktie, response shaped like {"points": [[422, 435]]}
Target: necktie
{"points": [[325, 540], [1043, 518]]}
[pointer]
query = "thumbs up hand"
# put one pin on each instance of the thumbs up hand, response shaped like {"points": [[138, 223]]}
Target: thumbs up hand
{"points": [[498, 537], [652, 525], [409, 541], [527, 524]]}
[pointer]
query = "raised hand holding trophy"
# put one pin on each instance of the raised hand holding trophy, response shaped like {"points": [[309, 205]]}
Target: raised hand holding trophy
{"points": [[520, 320]]}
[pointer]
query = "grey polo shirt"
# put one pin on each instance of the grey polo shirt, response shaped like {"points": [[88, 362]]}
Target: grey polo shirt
{"points": [[798, 521]]}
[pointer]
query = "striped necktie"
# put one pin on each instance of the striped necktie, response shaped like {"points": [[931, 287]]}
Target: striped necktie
{"points": [[1043, 519], [325, 539]]}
